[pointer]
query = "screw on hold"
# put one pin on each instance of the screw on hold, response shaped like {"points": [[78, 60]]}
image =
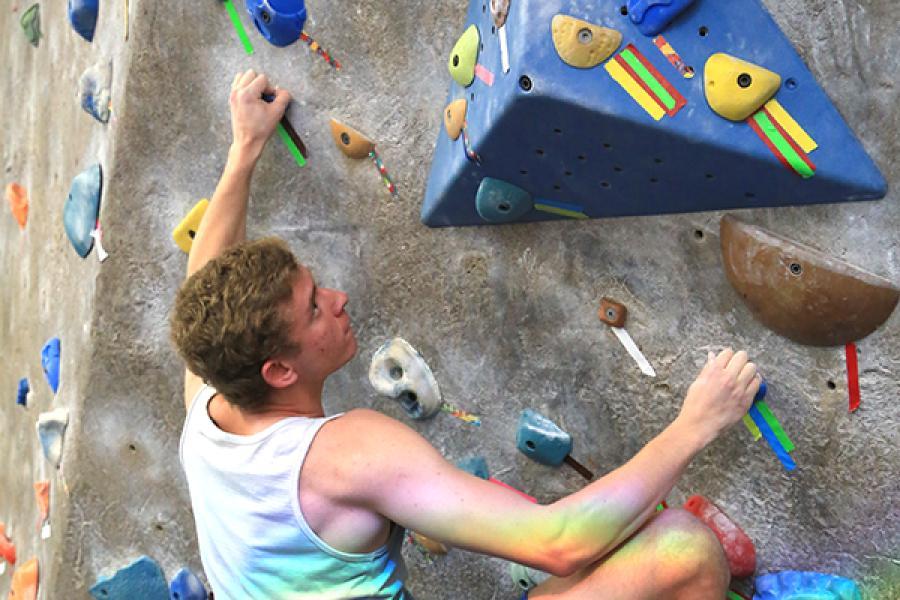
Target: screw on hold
{"points": [[504, 207], [345, 139], [796, 269], [266, 17], [744, 80], [192, 234], [456, 60], [396, 372], [585, 36], [525, 83]]}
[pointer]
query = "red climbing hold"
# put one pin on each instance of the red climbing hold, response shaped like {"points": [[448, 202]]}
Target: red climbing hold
{"points": [[18, 203], [25, 582], [738, 546], [7, 548], [42, 494]]}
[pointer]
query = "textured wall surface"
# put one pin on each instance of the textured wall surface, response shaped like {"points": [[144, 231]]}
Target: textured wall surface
{"points": [[506, 316]]}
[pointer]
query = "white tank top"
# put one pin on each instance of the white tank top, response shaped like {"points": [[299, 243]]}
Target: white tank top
{"points": [[254, 542]]}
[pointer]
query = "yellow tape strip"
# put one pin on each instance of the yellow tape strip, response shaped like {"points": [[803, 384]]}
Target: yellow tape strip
{"points": [[791, 126], [752, 428], [559, 211], [634, 90]]}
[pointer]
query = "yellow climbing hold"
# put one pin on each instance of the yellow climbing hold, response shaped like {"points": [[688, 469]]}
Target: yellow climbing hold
{"points": [[735, 89], [582, 44], [455, 117], [464, 56], [187, 229]]}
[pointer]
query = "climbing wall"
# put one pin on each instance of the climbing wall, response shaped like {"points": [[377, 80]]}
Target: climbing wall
{"points": [[506, 317]]}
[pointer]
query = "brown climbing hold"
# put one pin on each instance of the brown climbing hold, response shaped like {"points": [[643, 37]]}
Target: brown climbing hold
{"points": [[455, 117], [499, 10], [25, 582], [18, 203], [42, 493], [432, 546], [350, 141], [800, 292], [582, 44], [7, 548], [612, 313]]}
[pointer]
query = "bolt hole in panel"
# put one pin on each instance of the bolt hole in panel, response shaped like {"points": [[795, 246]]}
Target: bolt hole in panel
{"points": [[587, 125]]}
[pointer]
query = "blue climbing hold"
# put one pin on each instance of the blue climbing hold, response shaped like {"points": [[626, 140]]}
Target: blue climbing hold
{"points": [[805, 585], [141, 580], [83, 17], [761, 393], [50, 362], [94, 91], [652, 16], [476, 465], [187, 586], [279, 21], [22, 393], [82, 209], [541, 440], [500, 202]]}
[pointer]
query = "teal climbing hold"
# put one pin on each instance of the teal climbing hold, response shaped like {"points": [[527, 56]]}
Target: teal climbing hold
{"points": [[82, 209], [476, 465], [50, 362], [805, 585], [51, 430], [141, 580], [22, 392], [187, 586], [31, 24], [500, 202], [541, 440]]}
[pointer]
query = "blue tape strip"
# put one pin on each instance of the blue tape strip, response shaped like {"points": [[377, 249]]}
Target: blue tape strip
{"points": [[772, 439]]}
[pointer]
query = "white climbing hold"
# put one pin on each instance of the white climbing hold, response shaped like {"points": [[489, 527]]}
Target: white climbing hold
{"points": [[398, 371], [51, 428]]}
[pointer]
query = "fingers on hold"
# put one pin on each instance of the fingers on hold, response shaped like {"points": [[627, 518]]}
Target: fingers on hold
{"points": [[737, 362], [248, 76], [259, 85], [724, 357], [747, 375]]}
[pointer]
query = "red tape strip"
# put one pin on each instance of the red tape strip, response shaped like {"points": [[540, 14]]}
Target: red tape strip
{"points": [[852, 375]]}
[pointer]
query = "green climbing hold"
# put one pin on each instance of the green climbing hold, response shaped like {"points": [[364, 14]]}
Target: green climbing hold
{"points": [[31, 24], [464, 56]]}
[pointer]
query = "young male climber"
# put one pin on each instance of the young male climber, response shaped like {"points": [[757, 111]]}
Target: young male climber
{"points": [[292, 504]]}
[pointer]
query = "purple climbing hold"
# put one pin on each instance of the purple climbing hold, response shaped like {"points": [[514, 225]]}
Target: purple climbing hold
{"points": [[22, 394], [83, 17], [653, 16], [187, 586], [50, 362], [143, 579]]}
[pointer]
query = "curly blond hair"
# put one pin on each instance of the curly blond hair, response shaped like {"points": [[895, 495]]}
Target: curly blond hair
{"points": [[230, 317]]}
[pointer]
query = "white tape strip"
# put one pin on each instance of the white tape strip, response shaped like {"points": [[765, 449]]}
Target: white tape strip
{"points": [[634, 351], [504, 49], [101, 253]]}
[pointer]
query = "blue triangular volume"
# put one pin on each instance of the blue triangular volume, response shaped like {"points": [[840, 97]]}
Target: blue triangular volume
{"points": [[575, 138]]}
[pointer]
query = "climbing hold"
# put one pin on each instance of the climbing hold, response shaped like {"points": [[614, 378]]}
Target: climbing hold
{"points": [[82, 209], [735, 89], [455, 118], [464, 56], [541, 440], [42, 494], [187, 586], [51, 430], [739, 549], [430, 545], [25, 582], [7, 548], [805, 585], [83, 17], [18, 203], [800, 292], [350, 141], [500, 11], [22, 392], [31, 24], [526, 578], [653, 16], [94, 91], [500, 202], [476, 465], [279, 21], [141, 579], [399, 371], [50, 362], [582, 44], [612, 313], [186, 231]]}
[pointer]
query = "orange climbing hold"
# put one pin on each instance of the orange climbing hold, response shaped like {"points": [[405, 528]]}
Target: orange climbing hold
{"points": [[42, 493], [25, 582], [7, 548], [18, 203]]}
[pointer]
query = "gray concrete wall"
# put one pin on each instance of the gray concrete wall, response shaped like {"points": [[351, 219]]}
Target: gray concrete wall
{"points": [[506, 316]]}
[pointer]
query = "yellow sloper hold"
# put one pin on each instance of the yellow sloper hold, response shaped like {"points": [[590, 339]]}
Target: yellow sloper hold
{"points": [[350, 141], [187, 229], [735, 89], [455, 117], [582, 44], [464, 56]]}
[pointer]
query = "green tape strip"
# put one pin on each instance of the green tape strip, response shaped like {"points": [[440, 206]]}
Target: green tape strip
{"points": [[797, 163], [559, 211], [239, 27], [752, 428], [766, 412], [733, 596], [295, 151], [649, 79]]}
